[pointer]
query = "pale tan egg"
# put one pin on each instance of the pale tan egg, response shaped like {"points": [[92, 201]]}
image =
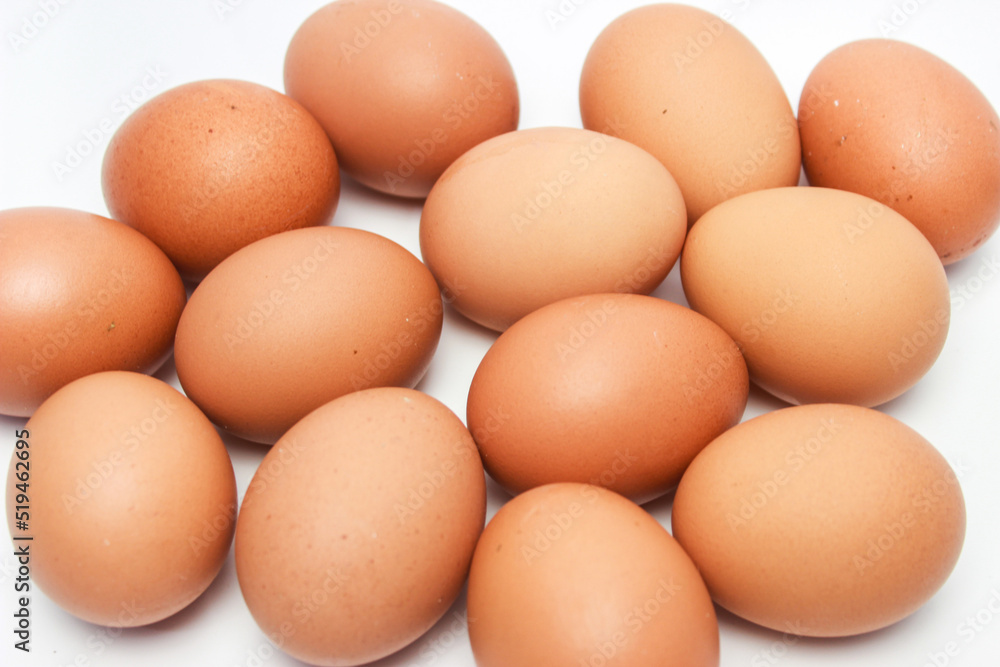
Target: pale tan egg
{"points": [[832, 296], [821, 520], [535, 216]]}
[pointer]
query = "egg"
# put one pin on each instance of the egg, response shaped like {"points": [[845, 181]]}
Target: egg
{"points": [[832, 296], [573, 574], [618, 390], [79, 293], [531, 217], [821, 520], [208, 167], [129, 499], [692, 90], [893, 122], [356, 533], [297, 319], [402, 88]]}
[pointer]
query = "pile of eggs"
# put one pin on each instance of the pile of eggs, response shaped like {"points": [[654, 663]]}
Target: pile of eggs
{"points": [[595, 397]]}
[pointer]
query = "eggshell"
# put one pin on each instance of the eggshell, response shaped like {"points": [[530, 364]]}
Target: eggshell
{"points": [[402, 88], [693, 91], [211, 166], [531, 217], [821, 520], [297, 319], [573, 574], [831, 296], [79, 293], [356, 533], [891, 121], [132, 499], [618, 390]]}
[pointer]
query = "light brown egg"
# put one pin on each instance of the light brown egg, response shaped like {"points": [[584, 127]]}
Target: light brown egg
{"points": [[131, 499], [297, 319], [211, 166], [573, 574], [531, 217], [356, 534], [79, 293], [618, 390], [402, 88], [821, 520], [831, 296], [893, 122], [693, 91]]}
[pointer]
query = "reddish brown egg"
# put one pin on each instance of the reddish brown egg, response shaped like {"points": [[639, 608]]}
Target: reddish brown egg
{"points": [[618, 390], [79, 293], [130, 495], [821, 520], [402, 88], [211, 166], [297, 319], [356, 533], [576, 575], [893, 122]]}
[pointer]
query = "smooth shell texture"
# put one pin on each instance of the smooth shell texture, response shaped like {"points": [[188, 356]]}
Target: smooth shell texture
{"points": [[693, 91], [832, 296], [211, 166], [79, 293], [618, 390], [891, 121], [356, 534], [821, 520], [402, 88], [297, 319], [572, 574], [132, 499], [531, 217]]}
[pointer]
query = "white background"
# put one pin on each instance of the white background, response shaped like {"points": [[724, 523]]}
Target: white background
{"points": [[89, 62]]}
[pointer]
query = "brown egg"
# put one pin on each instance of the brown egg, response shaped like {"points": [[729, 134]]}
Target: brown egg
{"points": [[821, 520], [693, 91], [893, 122], [573, 574], [79, 293], [831, 296], [618, 390], [531, 217], [402, 88], [211, 166], [297, 319], [131, 499], [356, 533]]}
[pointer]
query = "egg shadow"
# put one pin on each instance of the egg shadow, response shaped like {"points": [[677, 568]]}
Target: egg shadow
{"points": [[357, 192]]}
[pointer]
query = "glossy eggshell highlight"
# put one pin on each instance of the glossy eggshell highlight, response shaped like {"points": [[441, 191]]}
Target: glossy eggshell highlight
{"points": [[617, 390], [373, 503], [209, 167], [531, 217], [297, 319], [402, 88], [893, 122], [566, 573], [692, 90], [821, 520], [132, 499], [832, 296], [79, 294]]}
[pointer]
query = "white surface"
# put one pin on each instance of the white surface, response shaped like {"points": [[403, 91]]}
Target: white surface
{"points": [[73, 79]]}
